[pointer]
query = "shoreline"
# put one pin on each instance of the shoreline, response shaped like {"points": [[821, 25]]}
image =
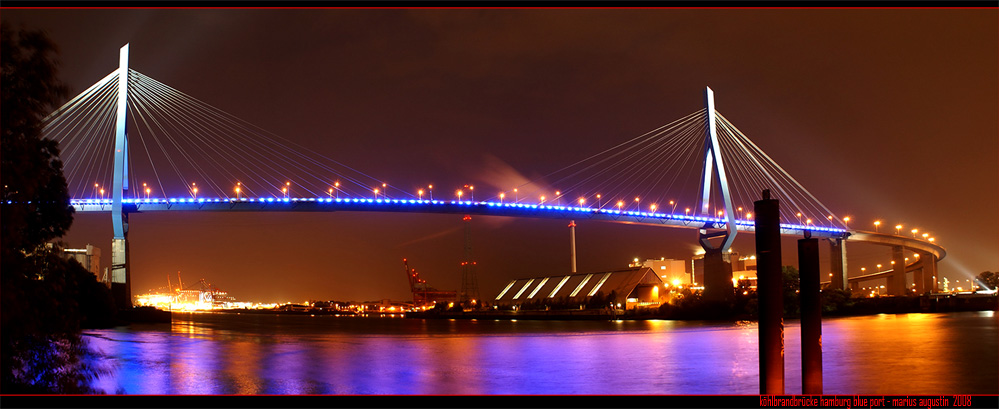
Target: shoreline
{"points": [[858, 307]]}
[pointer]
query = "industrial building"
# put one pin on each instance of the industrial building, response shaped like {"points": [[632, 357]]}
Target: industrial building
{"points": [[673, 272], [90, 259], [631, 288]]}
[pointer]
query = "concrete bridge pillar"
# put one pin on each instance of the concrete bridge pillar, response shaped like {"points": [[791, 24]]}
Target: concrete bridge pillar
{"points": [[121, 283], [896, 280], [917, 278], [930, 274], [717, 276], [837, 263]]}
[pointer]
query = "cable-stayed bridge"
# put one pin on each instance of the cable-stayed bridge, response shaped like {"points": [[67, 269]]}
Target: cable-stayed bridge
{"points": [[698, 172]]}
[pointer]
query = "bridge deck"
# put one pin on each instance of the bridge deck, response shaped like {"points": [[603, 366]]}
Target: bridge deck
{"points": [[484, 208]]}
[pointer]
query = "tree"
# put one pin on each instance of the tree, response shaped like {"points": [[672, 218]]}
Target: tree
{"points": [[44, 297], [31, 172], [792, 283], [988, 279]]}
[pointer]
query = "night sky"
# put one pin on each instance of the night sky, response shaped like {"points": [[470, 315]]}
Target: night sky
{"points": [[881, 114]]}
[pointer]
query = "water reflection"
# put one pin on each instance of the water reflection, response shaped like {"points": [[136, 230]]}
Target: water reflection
{"points": [[264, 354]]}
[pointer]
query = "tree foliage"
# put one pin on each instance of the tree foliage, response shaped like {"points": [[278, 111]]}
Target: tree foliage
{"points": [[44, 298], [988, 279], [791, 279], [34, 190], [42, 350]]}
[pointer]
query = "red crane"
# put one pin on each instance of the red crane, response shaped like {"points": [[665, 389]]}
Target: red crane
{"points": [[423, 294]]}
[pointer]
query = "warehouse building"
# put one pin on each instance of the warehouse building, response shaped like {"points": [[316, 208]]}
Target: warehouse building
{"points": [[638, 287]]}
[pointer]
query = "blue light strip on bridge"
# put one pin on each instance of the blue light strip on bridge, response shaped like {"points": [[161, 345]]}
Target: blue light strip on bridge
{"points": [[569, 210]]}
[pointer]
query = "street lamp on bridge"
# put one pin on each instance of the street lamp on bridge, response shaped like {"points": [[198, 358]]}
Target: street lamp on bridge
{"points": [[877, 223], [898, 229]]}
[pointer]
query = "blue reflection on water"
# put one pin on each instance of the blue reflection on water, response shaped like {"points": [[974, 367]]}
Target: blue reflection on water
{"points": [[264, 354]]}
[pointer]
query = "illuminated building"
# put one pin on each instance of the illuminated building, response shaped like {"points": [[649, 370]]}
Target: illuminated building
{"points": [[631, 288], [674, 272]]}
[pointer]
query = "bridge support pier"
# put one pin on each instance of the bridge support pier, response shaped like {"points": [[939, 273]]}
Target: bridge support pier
{"points": [[121, 282], [929, 281], [837, 261], [896, 280], [917, 279], [717, 276]]}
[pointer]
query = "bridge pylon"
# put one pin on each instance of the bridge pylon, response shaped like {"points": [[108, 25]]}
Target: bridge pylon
{"points": [[717, 267], [121, 285], [469, 283]]}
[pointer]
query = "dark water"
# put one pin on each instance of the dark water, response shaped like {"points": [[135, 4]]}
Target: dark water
{"points": [[265, 354]]}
